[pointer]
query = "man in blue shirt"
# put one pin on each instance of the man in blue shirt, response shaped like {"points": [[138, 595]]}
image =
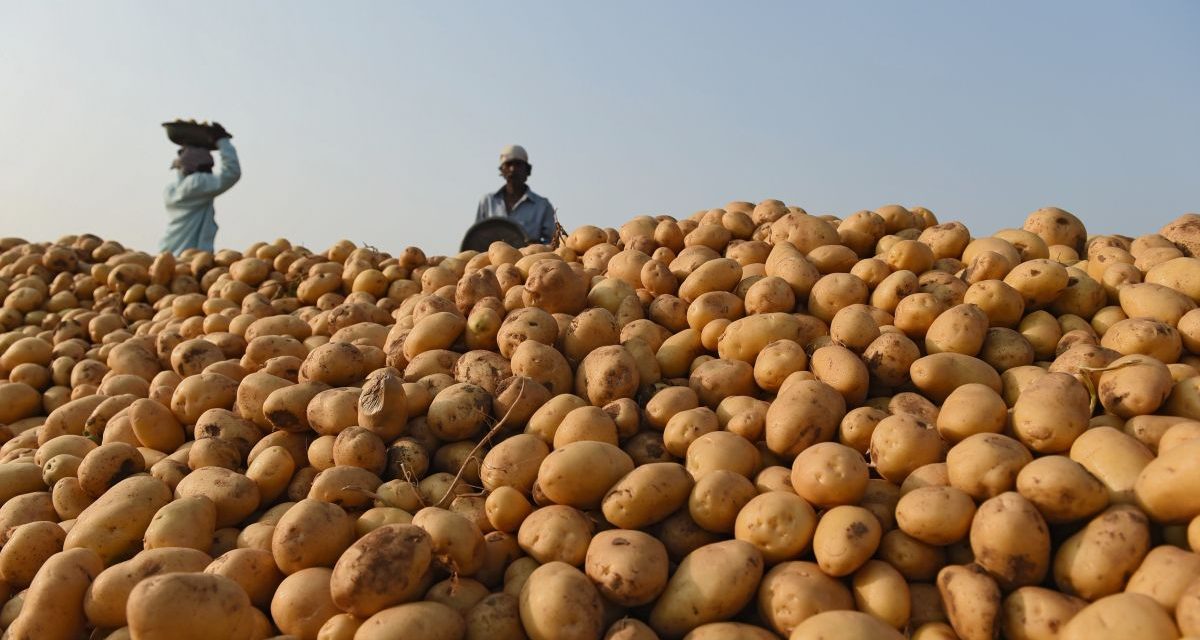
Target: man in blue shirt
{"points": [[191, 219], [516, 201]]}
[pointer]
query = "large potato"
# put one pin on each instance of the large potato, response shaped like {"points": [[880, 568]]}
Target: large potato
{"points": [[647, 494], [581, 473], [190, 606], [1123, 615], [1098, 560], [972, 601], [381, 569], [779, 524], [1011, 541], [118, 519], [1051, 413], [793, 592], [853, 624]]}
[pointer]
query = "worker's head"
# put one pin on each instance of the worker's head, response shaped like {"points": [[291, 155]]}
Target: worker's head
{"points": [[514, 165], [191, 160]]}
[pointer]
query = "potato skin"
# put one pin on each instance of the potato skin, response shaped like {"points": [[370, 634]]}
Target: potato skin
{"points": [[189, 606], [712, 583], [381, 569], [53, 605], [119, 518], [1122, 615], [629, 568], [558, 602]]}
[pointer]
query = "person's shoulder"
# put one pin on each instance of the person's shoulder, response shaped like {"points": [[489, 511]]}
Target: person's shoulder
{"points": [[537, 197]]}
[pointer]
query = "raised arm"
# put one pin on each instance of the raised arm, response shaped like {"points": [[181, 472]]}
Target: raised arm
{"points": [[209, 185]]}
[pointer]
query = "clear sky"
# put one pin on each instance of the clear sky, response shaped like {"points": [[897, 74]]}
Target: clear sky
{"points": [[381, 122]]}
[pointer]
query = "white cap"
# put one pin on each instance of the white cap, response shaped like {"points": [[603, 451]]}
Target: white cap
{"points": [[514, 152]]}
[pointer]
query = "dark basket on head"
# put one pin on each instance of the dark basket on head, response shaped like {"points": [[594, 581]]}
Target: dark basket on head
{"points": [[190, 134], [483, 233]]}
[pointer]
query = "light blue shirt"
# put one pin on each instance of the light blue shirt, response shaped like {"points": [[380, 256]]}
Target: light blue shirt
{"points": [[191, 219], [533, 212]]}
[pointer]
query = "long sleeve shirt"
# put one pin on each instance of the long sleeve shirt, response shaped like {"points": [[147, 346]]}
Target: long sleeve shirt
{"points": [[534, 213], [191, 219]]}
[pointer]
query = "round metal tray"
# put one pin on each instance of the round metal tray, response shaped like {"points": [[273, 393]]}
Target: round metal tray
{"points": [[483, 233]]}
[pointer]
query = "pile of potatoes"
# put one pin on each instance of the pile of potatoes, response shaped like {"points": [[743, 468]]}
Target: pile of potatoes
{"points": [[752, 423]]}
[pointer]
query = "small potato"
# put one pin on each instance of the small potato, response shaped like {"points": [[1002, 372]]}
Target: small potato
{"points": [[1061, 489], [971, 409], [1114, 458], [717, 498], [186, 522], [302, 603], [558, 601], [935, 515], [972, 601], [458, 544], [253, 569], [779, 524], [829, 474], [581, 473], [1051, 413], [722, 450], [514, 462], [1164, 575], [1162, 487], [940, 374], [556, 533], [901, 443], [1098, 560], [804, 413], [986, 465], [647, 494], [1011, 541], [629, 568], [1123, 615], [311, 534], [1034, 612], [845, 538], [27, 548], [881, 591], [712, 583], [793, 592], [52, 606]]}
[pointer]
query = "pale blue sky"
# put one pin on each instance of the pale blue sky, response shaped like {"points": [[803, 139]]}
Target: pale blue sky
{"points": [[381, 122]]}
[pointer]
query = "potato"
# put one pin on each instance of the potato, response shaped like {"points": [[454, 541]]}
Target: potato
{"points": [[187, 522], [26, 550], [1061, 489], [302, 603], [940, 374], [1124, 615], [1133, 386], [586, 423], [853, 623], [1035, 612], [581, 473], [1011, 541], [901, 443], [717, 498], [1051, 413], [118, 519], [629, 568], [556, 533], [558, 601], [845, 538], [544, 365], [936, 515], [971, 409], [1098, 560], [829, 474], [972, 601], [311, 534], [1164, 575], [793, 592], [779, 524], [710, 631], [960, 329], [235, 495], [803, 414], [712, 583], [381, 569], [986, 464], [514, 462], [647, 494], [458, 544], [253, 569], [106, 599], [53, 605], [1114, 458]]}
